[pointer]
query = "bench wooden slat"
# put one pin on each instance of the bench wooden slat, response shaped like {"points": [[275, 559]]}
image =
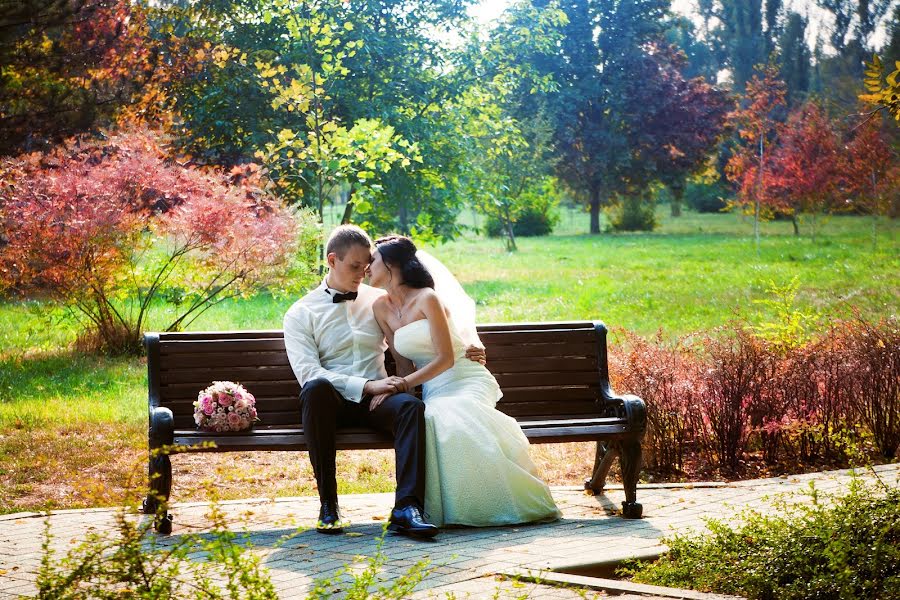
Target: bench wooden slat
{"points": [[219, 359], [509, 338], [263, 404], [555, 325], [274, 419], [222, 346], [557, 349], [285, 441], [239, 374], [507, 380], [535, 409], [174, 391], [531, 365]]}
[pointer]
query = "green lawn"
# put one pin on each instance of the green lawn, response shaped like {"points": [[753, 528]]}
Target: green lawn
{"points": [[694, 272]]}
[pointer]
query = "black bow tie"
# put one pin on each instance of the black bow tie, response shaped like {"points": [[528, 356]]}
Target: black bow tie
{"points": [[338, 297]]}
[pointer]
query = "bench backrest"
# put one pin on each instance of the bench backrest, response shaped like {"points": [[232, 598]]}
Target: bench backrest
{"points": [[546, 370]]}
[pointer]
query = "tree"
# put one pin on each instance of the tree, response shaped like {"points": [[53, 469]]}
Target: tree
{"points": [[842, 13], [114, 229], [402, 76], [603, 44], [756, 124], [870, 172], [678, 126], [309, 160], [794, 58], [804, 175], [509, 158], [750, 32]]}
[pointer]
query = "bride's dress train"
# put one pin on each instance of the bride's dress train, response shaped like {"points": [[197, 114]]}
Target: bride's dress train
{"points": [[478, 471]]}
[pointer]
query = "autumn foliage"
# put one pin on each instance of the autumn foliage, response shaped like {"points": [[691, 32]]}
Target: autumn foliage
{"points": [[724, 400], [115, 228]]}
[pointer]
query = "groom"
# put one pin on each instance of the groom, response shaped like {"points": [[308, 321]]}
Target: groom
{"points": [[336, 350]]}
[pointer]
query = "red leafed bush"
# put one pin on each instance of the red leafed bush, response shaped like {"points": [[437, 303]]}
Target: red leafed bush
{"points": [[735, 376], [666, 378], [875, 348], [115, 228], [816, 382]]}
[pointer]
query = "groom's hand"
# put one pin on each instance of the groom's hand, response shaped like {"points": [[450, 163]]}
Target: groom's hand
{"points": [[477, 354]]}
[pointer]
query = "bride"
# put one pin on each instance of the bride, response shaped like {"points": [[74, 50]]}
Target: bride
{"points": [[478, 471]]}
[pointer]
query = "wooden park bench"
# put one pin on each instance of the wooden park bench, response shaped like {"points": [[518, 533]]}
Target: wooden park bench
{"points": [[554, 377]]}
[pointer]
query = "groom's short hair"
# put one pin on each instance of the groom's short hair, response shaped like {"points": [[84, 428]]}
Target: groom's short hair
{"points": [[345, 236]]}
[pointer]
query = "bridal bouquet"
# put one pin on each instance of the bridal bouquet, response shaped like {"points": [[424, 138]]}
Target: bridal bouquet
{"points": [[225, 406]]}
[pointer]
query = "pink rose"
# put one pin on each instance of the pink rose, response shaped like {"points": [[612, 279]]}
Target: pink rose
{"points": [[207, 406], [252, 413], [234, 420], [241, 403], [225, 399]]}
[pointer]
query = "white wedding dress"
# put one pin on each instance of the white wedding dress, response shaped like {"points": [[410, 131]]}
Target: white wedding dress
{"points": [[478, 471]]}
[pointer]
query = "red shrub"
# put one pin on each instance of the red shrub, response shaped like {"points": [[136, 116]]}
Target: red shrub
{"points": [[875, 349], [666, 378], [112, 228], [734, 383]]}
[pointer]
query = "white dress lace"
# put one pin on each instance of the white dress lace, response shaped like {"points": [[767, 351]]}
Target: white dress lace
{"points": [[478, 471]]}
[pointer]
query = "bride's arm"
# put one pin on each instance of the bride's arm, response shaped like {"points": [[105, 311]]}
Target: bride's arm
{"points": [[403, 364], [440, 337]]}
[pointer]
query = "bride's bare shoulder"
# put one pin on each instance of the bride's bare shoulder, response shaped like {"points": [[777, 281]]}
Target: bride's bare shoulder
{"points": [[380, 303]]}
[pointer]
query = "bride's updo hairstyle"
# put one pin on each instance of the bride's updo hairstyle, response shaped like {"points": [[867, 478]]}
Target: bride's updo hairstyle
{"points": [[399, 252]]}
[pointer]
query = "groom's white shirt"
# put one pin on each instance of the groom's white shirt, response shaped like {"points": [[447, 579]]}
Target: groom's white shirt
{"points": [[341, 342]]}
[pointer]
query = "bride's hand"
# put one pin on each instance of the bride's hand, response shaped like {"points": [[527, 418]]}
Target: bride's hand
{"points": [[399, 384], [377, 400]]}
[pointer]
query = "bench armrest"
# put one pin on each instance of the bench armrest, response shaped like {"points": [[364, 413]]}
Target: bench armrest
{"points": [[162, 427]]}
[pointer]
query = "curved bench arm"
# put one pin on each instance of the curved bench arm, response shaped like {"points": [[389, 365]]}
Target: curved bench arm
{"points": [[162, 427]]}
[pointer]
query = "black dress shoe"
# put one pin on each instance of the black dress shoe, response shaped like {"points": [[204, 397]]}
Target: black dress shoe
{"points": [[330, 518], [409, 521]]}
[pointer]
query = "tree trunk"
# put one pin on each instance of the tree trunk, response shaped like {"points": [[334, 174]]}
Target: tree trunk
{"points": [[677, 198], [795, 222], [348, 209], [403, 215], [510, 234], [595, 209], [676, 208]]}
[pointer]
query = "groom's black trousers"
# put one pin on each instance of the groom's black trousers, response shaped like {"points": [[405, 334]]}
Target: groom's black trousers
{"points": [[323, 409]]}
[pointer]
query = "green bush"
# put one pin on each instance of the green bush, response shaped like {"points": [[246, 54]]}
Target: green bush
{"points": [[706, 197], [633, 214], [846, 548], [535, 219]]}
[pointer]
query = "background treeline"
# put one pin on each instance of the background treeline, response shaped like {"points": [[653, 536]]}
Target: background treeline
{"points": [[161, 151], [410, 112]]}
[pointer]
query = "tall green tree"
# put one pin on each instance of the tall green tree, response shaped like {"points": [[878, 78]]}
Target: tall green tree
{"points": [[795, 57], [402, 76], [318, 151], [509, 157], [602, 44]]}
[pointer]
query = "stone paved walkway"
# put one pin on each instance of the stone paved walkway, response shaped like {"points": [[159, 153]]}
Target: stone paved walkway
{"points": [[465, 562]]}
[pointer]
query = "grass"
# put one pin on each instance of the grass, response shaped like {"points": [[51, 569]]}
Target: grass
{"points": [[67, 418]]}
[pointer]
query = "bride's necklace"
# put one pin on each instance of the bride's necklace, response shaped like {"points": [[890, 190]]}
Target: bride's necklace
{"points": [[398, 306]]}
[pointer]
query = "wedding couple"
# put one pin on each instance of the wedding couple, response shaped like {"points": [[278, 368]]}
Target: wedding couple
{"points": [[459, 461]]}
